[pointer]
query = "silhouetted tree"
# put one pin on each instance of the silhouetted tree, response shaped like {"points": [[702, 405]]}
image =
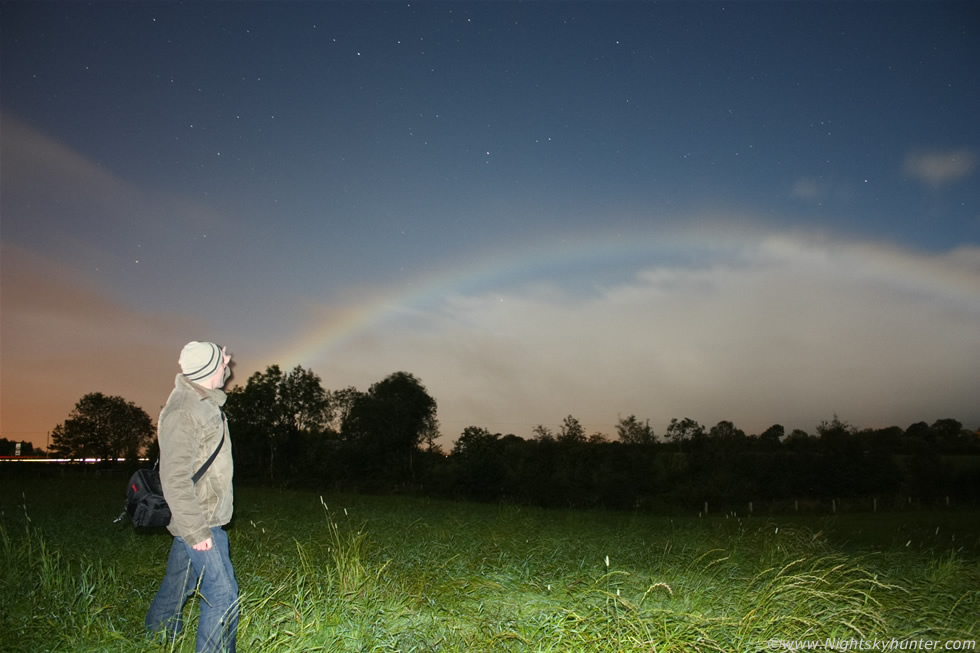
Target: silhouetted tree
{"points": [[387, 424], [799, 437], [543, 433], [571, 431], [884, 441], [272, 414], [631, 431], [950, 435], [341, 403], [725, 430], [684, 430], [835, 428], [480, 464], [597, 438], [773, 434], [105, 427]]}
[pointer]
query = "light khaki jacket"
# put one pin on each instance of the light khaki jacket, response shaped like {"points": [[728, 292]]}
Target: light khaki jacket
{"points": [[190, 427]]}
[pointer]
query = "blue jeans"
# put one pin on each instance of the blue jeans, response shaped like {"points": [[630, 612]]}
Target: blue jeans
{"points": [[211, 574]]}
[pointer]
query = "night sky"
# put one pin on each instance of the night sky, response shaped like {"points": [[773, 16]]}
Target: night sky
{"points": [[757, 212]]}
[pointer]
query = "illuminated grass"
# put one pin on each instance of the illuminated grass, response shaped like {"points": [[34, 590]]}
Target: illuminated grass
{"points": [[396, 574]]}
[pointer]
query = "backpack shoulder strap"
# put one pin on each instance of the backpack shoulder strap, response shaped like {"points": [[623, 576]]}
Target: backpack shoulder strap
{"points": [[207, 463]]}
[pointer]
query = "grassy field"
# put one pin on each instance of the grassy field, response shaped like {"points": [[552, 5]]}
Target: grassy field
{"points": [[352, 573]]}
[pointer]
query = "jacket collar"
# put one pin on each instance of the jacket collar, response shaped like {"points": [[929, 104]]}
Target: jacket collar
{"points": [[217, 396]]}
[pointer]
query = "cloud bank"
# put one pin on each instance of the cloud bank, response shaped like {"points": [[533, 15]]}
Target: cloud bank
{"points": [[782, 330]]}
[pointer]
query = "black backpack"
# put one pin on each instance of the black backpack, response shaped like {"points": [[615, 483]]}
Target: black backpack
{"points": [[145, 504]]}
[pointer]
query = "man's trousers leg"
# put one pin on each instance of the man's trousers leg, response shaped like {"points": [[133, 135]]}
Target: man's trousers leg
{"points": [[211, 573], [166, 613], [218, 627]]}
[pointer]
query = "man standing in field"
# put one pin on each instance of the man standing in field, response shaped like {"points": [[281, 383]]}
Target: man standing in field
{"points": [[191, 429]]}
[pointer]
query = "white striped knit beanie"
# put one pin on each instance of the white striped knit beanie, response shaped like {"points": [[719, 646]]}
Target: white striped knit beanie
{"points": [[199, 360]]}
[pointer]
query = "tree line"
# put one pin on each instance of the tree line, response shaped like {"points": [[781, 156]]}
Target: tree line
{"points": [[290, 431]]}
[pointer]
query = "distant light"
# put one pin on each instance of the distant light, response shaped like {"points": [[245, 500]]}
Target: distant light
{"points": [[87, 461]]}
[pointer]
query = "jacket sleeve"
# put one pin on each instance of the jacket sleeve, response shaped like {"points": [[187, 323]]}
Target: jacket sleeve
{"points": [[178, 449]]}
